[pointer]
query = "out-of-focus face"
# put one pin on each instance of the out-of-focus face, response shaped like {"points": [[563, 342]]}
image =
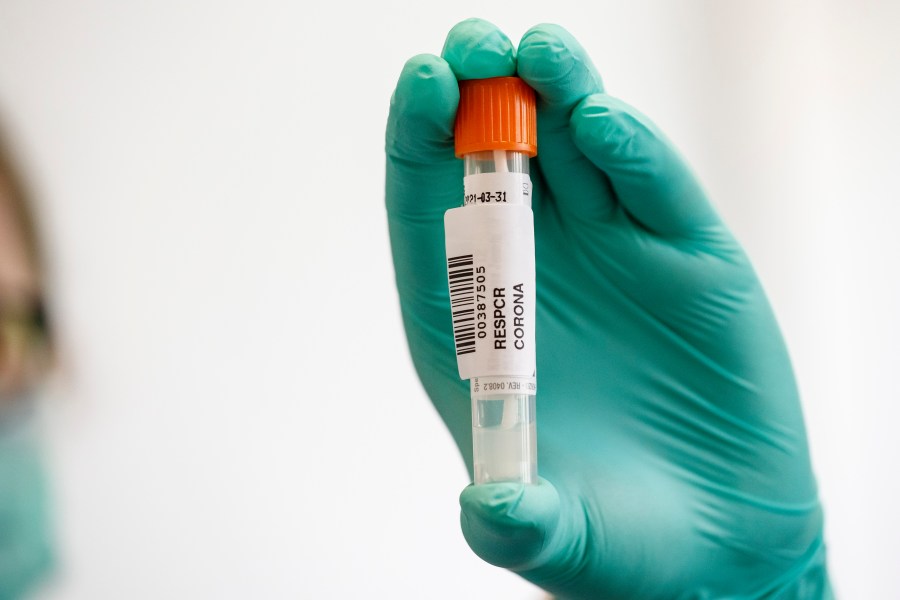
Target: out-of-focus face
{"points": [[21, 325]]}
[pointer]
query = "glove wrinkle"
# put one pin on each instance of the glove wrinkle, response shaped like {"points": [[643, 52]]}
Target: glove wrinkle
{"points": [[554, 63]]}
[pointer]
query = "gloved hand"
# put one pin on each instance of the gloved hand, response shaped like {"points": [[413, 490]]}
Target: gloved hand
{"points": [[670, 435]]}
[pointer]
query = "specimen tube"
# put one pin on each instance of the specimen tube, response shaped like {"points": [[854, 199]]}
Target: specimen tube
{"points": [[490, 249]]}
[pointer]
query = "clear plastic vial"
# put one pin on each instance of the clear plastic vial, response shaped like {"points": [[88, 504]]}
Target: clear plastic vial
{"points": [[496, 134], [504, 437], [504, 434]]}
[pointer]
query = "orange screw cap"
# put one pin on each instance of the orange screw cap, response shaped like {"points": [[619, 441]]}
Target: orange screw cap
{"points": [[496, 114]]}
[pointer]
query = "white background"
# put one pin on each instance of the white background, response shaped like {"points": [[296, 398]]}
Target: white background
{"points": [[237, 415]]}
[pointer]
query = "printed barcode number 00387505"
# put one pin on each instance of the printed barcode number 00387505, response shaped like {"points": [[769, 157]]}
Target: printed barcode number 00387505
{"points": [[467, 293]]}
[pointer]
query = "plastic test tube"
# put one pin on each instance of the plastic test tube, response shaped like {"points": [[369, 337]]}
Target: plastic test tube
{"points": [[496, 120]]}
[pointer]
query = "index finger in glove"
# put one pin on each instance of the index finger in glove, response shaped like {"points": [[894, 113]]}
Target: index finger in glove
{"points": [[422, 172]]}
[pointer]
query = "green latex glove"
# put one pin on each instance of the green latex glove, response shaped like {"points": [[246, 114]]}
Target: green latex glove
{"points": [[25, 548], [670, 436]]}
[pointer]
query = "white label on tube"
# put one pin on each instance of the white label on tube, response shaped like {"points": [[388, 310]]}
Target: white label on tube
{"points": [[502, 384], [490, 268], [497, 188]]}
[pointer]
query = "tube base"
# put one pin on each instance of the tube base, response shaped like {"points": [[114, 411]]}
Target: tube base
{"points": [[504, 438]]}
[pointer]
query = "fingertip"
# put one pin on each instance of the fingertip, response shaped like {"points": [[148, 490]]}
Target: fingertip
{"points": [[544, 53], [507, 524], [423, 107], [556, 65], [426, 86], [477, 49]]}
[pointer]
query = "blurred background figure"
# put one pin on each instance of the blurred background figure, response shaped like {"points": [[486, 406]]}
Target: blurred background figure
{"points": [[25, 350]]}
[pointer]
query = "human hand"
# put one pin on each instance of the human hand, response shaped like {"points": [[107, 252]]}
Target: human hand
{"points": [[670, 435]]}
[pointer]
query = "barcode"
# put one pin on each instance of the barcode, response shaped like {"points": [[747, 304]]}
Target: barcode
{"points": [[461, 274]]}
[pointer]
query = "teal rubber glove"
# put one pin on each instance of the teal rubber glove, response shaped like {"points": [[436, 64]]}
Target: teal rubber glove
{"points": [[670, 437], [25, 546]]}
